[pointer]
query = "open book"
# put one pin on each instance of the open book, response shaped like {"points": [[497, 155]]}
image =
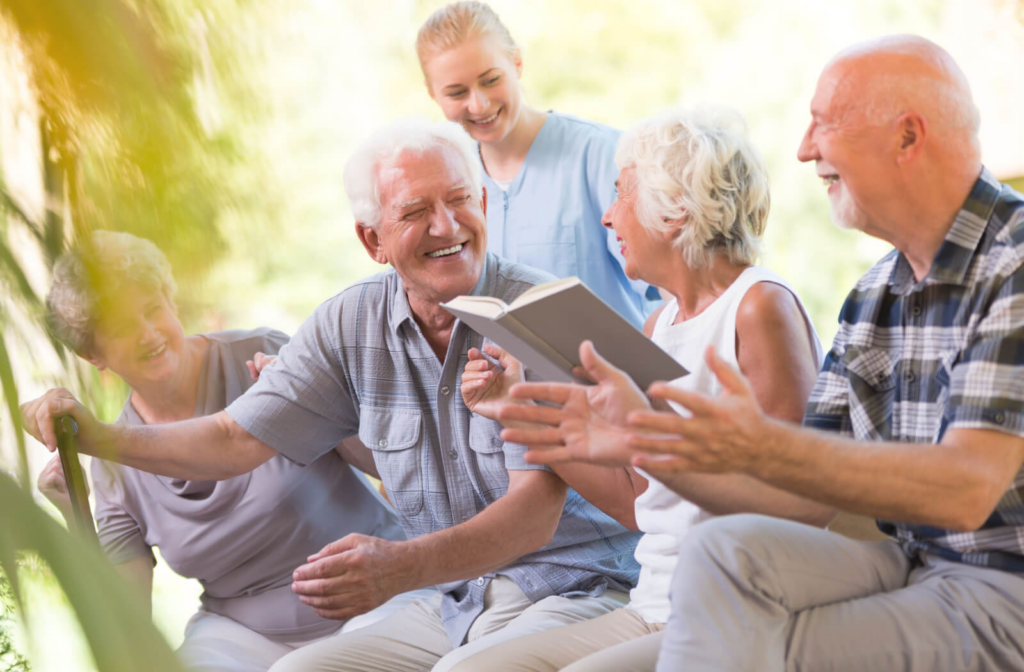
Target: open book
{"points": [[544, 327]]}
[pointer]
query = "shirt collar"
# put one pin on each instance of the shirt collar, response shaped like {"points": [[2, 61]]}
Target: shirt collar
{"points": [[401, 311], [958, 249]]}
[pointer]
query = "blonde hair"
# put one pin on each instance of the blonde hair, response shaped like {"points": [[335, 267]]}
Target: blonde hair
{"points": [[89, 276], [456, 23], [699, 164]]}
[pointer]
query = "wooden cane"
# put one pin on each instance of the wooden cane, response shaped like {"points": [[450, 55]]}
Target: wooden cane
{"points": [[81, 522]]}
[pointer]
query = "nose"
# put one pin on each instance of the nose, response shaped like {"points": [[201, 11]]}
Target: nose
{"points": [[443, 224], [606, 218], [478, 102], [808, 149]]}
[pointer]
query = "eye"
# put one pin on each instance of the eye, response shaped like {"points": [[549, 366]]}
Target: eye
{"points": [[460, 200], [492, 80], [457, 94], [413, 215]]}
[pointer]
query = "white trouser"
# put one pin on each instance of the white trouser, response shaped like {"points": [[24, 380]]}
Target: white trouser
{"points": [[215, 643]]}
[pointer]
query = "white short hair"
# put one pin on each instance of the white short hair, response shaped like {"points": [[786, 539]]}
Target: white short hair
{"points": [[699, 164], [384, 146]]}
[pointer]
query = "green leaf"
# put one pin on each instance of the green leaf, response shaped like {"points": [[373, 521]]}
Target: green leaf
{"points": [[10, 392]]}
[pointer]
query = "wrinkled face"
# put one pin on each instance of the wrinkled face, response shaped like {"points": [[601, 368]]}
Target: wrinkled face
{"points": [[851, 156], [636, 242], [139, 337], [477, 85], [432, 229]]}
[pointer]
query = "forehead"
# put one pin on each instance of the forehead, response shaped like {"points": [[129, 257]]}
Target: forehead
{"points": [[829, 94], [465, 62], [412, 175]]}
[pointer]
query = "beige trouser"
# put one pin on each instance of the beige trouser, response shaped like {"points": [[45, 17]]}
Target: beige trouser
{"points": [[414, 639], [619, 641]]}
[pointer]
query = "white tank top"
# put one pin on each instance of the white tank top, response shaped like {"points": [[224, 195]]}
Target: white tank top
{"points": [[661, 514]]}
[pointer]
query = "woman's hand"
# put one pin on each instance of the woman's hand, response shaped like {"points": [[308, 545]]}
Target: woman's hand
{"points": [[259, 362], [485, 387], [38, 415], [52, 484]]}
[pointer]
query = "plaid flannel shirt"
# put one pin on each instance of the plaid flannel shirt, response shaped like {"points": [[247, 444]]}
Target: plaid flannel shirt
{"points": [[913, 360]]}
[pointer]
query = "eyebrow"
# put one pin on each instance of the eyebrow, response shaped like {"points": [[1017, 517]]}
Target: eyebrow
{"points": [[458, 86], [409, 204]]}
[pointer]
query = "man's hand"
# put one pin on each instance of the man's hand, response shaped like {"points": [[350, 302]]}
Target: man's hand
{"points": [[38, 415], [354, 575], [590, 426], [724, 434], [259, 362], [52, 484], [485, 387]]}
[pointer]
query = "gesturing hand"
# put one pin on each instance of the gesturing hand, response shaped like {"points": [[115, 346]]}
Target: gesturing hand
{"points": [[259, 362], [52, 484], [485, 387], [352, 576], [590, 426], [724, 434]]}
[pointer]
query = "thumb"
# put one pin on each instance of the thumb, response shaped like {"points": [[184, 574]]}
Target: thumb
{"points": [[732, 380], [597, 367], [346, 543], [506, 360]]}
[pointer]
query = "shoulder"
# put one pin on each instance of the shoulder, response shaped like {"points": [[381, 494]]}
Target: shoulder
{"points": [[582, 136], [768, 307], [513, 278], [261, 339], [1004, 255], [371, 294]]}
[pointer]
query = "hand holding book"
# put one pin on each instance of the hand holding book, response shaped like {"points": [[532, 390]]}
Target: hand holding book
{"points": [[486, 385]]}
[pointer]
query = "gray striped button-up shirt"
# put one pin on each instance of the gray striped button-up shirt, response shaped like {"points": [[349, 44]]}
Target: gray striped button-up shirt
{"points": [[360, 365]]}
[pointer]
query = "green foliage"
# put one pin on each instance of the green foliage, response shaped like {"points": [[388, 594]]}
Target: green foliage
{"points": [[114, 621], [10, 659]]}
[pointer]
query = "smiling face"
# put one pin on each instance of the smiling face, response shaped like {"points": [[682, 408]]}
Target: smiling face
{"points": [[477, 85], [855, 159], [138, 337], [432, 229], [639, 245]]}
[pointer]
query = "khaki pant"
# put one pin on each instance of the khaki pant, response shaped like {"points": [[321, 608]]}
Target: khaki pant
{"points": [[757, 593], [620, 641], [414, 640]]}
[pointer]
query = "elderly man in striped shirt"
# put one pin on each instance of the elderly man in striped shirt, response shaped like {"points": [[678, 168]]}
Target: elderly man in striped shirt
{"points": [[917, 418]]}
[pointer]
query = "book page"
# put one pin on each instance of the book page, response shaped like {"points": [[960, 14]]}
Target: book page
{"points": [[538, 292]]}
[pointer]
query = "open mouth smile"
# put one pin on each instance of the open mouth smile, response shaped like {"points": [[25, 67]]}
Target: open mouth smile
{"points": [[486, 121], [156, 352], [446, 252]]}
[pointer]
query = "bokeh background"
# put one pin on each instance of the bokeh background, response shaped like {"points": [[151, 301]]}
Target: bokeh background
{"points": [[219, 129]]}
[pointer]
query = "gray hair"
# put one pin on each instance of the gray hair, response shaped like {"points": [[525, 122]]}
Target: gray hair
{"points": [[699, 164], [362, 171], [89, 275]]}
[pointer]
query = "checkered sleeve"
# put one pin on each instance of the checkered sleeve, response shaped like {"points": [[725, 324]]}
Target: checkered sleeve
{"points": [[986, 385], [829, 405]]}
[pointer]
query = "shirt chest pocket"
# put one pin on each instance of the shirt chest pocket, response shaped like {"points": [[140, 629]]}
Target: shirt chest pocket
{"points": [[874, 384], [549, 248], [394, 436], [487, 449]]}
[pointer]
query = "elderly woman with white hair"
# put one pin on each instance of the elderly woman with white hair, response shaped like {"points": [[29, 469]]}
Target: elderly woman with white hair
{"points": [[692, 205], [112, 302]]}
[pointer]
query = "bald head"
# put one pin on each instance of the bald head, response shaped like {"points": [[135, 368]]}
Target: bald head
{"points": [[879, 80]]}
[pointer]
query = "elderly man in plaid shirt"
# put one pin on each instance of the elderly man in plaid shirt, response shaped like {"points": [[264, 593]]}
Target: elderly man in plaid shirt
{"points": [[916, 419]]}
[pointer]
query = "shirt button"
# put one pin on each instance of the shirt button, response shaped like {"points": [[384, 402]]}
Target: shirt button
{"points": [[445, 390], [466, 517], [909, 376], [454, 454], [383, 443], [915, 311], [480, 581], [999, 417]]}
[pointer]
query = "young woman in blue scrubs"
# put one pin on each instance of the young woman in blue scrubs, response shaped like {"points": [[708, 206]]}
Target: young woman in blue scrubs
{"points": [[549, 176]]}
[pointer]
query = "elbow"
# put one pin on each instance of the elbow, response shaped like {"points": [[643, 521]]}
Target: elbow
{"points": [[973, 508], [820, 516]]}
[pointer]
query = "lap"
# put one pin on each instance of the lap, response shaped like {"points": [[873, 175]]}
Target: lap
{"points": [[214, 643]]}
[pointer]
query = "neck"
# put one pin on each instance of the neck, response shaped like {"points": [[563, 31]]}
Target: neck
{"points": [[695, 289], [435, 322], [925, 216], [173, 400], [503, 159]]}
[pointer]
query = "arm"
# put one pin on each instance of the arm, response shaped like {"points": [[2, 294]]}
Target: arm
{"points": [[178, 449], [359, 456], [358, 573], [777, 357], [138, 573]]}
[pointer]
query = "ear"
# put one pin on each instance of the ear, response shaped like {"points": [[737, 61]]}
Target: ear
{"points": [[371, 240], [517, 60], [483, 200], [669, 234], [95, 361], [913, 132]]}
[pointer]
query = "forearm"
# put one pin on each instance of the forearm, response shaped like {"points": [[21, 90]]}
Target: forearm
{"points": [[518, 523], [927, 484], [213, 447], [724, 494], [612, 489], [138, 573]]}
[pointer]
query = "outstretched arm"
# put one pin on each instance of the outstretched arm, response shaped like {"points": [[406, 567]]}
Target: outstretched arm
{"points": [[177, 449]]}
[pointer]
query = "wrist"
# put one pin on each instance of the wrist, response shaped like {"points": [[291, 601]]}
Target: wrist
{"points": [[775, 438], [412, 562]]}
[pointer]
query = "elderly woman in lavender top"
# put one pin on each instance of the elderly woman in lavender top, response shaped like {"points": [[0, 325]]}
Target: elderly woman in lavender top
{"points": [[242, 537]]}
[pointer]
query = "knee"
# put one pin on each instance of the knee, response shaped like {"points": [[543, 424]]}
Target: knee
{"points": [[722, 543]]}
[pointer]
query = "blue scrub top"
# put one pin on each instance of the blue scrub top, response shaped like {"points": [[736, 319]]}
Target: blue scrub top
{"points": [[550, 216]]}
